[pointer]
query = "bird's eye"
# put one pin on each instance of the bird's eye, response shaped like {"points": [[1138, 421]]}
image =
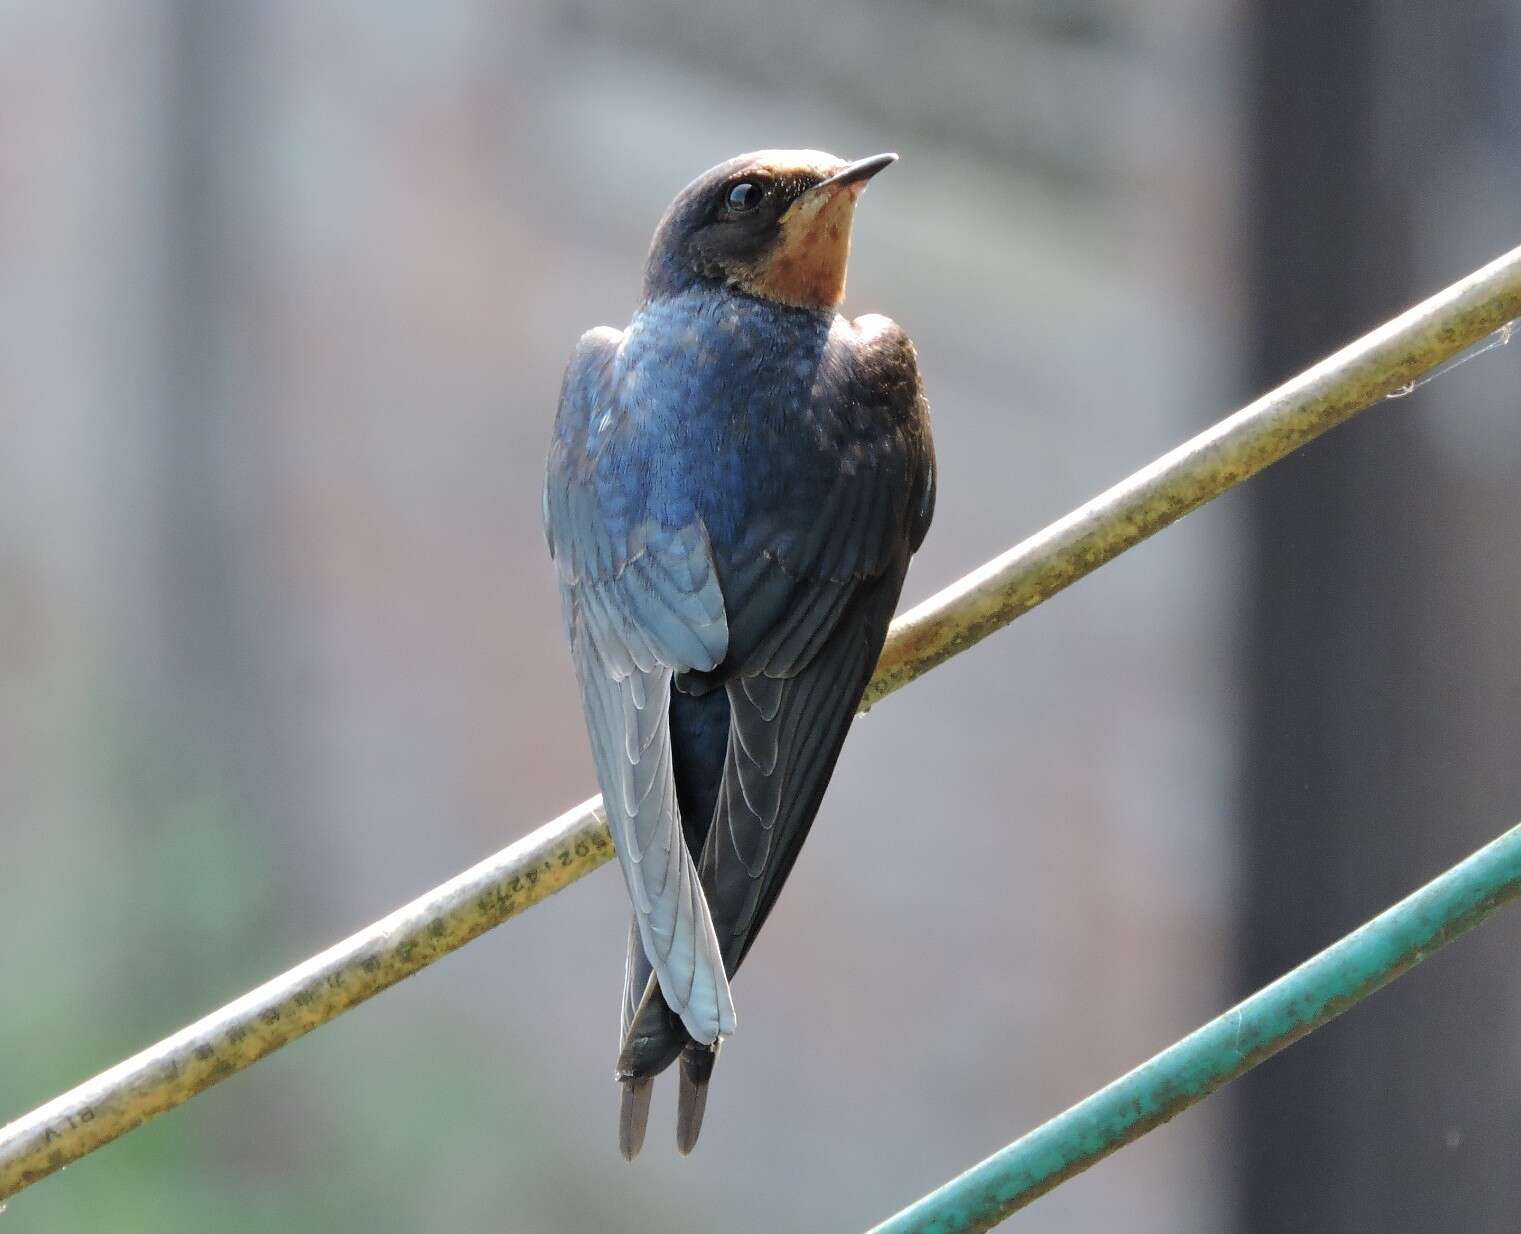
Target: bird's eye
{"points": [[745, 195]]}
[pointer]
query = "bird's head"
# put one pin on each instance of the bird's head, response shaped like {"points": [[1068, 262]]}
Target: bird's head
{"points": [[775, 224]]}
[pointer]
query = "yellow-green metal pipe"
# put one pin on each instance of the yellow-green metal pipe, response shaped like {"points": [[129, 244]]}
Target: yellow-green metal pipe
{"points": [[238, 1035], [289, 1006], [1357, 377]]}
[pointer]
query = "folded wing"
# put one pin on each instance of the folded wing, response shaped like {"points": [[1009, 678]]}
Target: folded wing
{"points": [[641, 603], [808, 611]]}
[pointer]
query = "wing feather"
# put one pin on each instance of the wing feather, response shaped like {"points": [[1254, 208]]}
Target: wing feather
{"points": [[809, 603], [642, 603], [765, 814]]}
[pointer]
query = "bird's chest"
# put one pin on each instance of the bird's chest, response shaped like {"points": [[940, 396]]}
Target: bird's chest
{"points": [[722, 413]]}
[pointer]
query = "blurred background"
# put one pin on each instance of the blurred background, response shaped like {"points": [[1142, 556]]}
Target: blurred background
{"points": [[285, 291]]}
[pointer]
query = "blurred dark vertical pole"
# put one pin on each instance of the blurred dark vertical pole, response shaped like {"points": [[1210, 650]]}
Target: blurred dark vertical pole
{"points": [[1360, 774], [199, 552], [212, 448]]}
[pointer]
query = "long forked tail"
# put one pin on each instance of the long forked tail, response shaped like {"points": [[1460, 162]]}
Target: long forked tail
{"points": [[653, 1038]]}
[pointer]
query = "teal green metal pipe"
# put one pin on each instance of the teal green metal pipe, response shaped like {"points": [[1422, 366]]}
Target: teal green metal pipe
{"points": [[1317, 991]]}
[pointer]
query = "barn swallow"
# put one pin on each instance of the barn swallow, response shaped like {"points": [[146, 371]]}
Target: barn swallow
{"points": [[735, 486]]}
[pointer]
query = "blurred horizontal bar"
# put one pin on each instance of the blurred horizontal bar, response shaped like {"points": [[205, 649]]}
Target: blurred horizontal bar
{"points": [[238, 1035], [1317, 991]]}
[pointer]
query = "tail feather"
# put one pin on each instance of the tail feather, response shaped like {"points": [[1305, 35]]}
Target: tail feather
{"points": [[653, 1039], [696, 1070], [633, 1116], [649, 1031]]}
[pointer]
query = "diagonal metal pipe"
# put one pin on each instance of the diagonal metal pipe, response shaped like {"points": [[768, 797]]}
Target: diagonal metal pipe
{"points": [[1185, 1073]]}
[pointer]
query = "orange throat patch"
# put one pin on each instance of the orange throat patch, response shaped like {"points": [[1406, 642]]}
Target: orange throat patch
{"points": [[806, 268]]}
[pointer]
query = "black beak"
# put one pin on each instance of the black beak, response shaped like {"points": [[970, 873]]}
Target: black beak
{"points": [[858, 172]]}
